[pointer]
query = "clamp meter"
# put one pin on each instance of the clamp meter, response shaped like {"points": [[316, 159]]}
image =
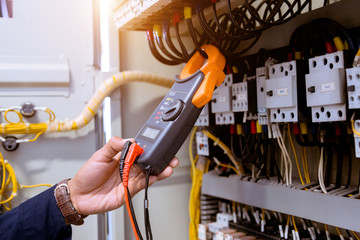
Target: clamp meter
{"points": [[171, 122]]}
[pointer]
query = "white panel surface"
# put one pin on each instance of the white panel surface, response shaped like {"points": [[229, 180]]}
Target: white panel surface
{"points": [[43, 29]]}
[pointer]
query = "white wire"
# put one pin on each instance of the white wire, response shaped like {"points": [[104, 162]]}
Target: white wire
{"points": [[283, 150], [283, 135], [321, 165], [287, 159]]}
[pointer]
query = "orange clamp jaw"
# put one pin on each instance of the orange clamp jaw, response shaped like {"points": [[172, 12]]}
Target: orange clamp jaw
{"points": [[213, 70], [133, 153]]}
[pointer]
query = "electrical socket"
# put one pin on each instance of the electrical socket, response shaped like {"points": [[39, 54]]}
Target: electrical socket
{"points": [[353, 87], [204, 117], [325, 87], [281, 92], [202, 144]]}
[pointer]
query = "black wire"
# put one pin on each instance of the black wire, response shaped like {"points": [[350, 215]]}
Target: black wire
{"points": [[155, 53], [184, 51], [329, 161], [194, 39], [339, 168], [133, 215], [165, 51], [167, 38], [146, 207]]}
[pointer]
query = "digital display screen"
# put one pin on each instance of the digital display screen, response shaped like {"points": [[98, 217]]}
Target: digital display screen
{"points": [[150, 132]]}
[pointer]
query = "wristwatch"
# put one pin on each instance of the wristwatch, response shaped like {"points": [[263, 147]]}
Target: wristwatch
{"points": [[63, 200]]}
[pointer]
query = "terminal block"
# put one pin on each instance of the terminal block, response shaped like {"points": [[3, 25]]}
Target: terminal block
{"points": [[221, 102], [283, 92], [325, 87], [262, 74], [353, 87]]}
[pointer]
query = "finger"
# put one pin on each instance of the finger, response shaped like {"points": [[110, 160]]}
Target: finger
{"points": [[174, 162], [111, 148], [166, 173], [153, 179]]}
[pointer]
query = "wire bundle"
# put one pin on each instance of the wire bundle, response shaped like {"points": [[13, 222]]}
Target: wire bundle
{"points": [[10, 185], [233, 32]]}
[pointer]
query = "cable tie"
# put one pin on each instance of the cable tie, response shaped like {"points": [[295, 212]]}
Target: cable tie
{"points": [[216, 142], [146, 203], [3, 125], [27, 125]]}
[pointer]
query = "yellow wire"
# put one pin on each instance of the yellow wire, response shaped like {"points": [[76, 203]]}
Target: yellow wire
{"points": [[51, 115], [338, 231], [295, 155], [36, 137], [36, 185], [15, 111], [357, 237], [353, 128], [263, 214], [9, 177], [229, 166], [192, 136], [326, 227], [288, 221], [293, 219], [306, 166], [227, 151]]}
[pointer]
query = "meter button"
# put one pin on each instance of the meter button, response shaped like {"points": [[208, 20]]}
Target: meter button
{"points": [[173, 111]]}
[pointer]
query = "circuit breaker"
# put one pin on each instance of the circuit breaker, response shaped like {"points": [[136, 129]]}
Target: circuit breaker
{"points": [[353, 87], [325, 87], [282, 89], [221, 103]]}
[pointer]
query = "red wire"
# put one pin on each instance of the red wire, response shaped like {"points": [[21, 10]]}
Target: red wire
{"points": [[133, 152], [129, 213]]}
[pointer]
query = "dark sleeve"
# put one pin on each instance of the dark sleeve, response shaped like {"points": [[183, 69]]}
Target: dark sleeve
{"points": [[37, 218]]}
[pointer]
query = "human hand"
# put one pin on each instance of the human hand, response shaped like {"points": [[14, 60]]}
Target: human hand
{"points": [[97, 187]]}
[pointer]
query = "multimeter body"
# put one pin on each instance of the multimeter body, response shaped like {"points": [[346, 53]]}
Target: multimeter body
{"points": [[169, 125]]}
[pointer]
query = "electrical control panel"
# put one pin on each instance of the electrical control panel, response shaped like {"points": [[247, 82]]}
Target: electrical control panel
{"points": [[202, 144], [281, 92], [221, 102], [325, 87], [353, 87], [261, 75]]}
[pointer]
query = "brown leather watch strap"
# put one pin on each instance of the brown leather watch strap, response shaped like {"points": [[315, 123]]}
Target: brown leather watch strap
{"points": [[62, 196]]}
